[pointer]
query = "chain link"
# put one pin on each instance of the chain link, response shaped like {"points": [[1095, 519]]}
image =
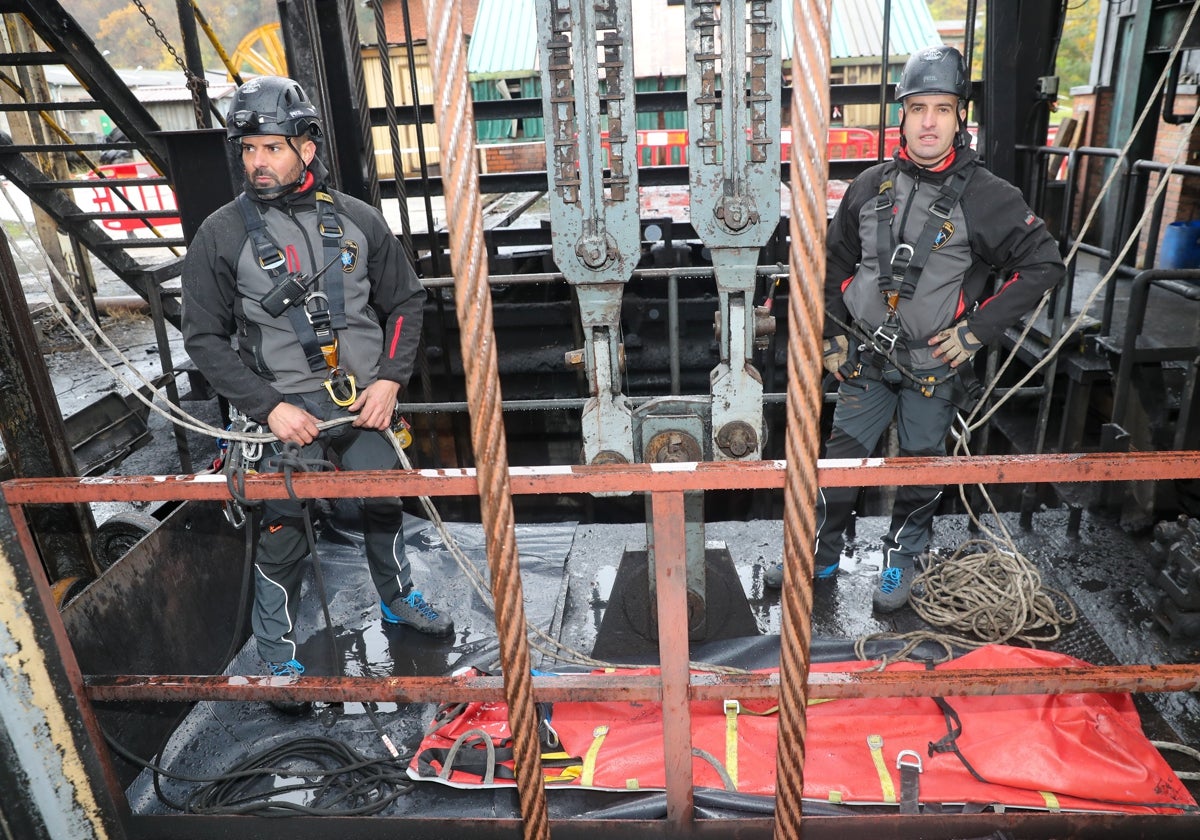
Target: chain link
{"points": [[194, 83]]}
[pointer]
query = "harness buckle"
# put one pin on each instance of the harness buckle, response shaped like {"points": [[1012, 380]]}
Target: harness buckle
{"points": [[914, 760], [935, 209], [929, 386], [901, 257], [316, 309], [885, 337], [342, 387], [278, 262]]}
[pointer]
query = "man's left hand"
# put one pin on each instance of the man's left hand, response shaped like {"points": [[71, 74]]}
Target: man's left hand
{"points": [[955, 345], [375, 405]]}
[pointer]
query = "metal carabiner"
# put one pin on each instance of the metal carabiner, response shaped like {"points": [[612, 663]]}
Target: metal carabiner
{"points": [[342, 387]]}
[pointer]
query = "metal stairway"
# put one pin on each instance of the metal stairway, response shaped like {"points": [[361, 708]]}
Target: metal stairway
{"points": [[30, 167]]}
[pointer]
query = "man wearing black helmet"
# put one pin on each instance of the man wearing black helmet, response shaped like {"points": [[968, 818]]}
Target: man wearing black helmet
{"points": [[929, 258], [324, 312]]}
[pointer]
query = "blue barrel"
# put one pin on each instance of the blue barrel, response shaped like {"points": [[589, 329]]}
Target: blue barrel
{"points": [[1181, 245]]}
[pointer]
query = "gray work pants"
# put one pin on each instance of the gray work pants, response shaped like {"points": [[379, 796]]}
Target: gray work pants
{"points": [[865, 407], [282, 544]]}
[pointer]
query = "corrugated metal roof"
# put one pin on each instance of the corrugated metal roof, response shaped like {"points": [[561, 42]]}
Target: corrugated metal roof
{"points": [[504, 43], [856, 28]]}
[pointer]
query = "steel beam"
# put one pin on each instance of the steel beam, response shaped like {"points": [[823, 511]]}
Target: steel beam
{"points": [[649, 478], [97, 76], [33, 432], [54, 779], [591, 688], [1027, 826]]}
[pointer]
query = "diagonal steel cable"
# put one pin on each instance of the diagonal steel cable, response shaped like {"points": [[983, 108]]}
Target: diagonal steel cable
{"points": [[472, 295], [809, 121]]}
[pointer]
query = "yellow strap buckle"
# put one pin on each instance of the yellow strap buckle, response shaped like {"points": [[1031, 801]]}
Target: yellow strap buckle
{"points": [[342, 387], [330, 352], [732, 709], [929, 387], [886, 786]]}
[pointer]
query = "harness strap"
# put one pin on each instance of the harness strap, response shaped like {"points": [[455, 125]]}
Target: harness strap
{"points": [[949, 741], [589, 759], [935, 226], [900, 266], [330, 226], [909, 765], [732, 708], [886, 785], [270, 257]]}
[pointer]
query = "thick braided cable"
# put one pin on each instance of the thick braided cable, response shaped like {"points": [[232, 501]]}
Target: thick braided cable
{"points": [[806, 228], [464, 216]]}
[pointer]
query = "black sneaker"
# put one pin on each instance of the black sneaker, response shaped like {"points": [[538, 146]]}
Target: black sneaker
{"points": [[895, 584], [412, 609]]}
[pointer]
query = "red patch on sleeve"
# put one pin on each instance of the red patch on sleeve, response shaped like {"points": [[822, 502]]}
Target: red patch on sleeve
{"points": [[395, 337]]}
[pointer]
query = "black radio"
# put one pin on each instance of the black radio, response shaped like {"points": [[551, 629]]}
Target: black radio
{"points": [[291, 290]]}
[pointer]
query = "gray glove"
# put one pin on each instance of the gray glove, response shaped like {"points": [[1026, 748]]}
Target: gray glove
{"points": [[837, 350], [955, 345]]}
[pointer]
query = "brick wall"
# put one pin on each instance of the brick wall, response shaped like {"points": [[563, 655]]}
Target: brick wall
{"points": [[1182, 196], [514, 157]]}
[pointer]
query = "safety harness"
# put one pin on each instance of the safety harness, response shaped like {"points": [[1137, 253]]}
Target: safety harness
{"points": [[900, 267], [323, 313]]}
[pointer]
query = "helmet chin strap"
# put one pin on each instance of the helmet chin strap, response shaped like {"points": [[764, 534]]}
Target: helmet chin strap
{"points": [[282, 189]]}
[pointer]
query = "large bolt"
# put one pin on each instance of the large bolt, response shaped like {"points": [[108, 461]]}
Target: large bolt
{"points": [[736, 213], [737, 439], [672, 447], [592, 251]]}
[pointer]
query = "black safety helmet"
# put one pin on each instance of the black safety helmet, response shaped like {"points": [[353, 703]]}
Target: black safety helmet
{"points": [[272, 105], [934, 70], [937, 69]]}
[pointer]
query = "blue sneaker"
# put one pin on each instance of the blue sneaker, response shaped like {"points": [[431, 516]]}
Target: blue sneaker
{"points": [[895, 584], [291, 668], [773, 577], [412, 609]]}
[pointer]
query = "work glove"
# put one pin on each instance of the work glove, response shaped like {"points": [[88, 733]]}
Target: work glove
{"points": [[955, 345], [837, 350]]}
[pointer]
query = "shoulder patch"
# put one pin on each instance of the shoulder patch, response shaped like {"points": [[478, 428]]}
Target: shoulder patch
{"points": [[349, 255], [1030, 218], [943, 235]]}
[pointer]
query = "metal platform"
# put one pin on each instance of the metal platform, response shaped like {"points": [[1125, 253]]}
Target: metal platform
{"points": [[568, 574]]}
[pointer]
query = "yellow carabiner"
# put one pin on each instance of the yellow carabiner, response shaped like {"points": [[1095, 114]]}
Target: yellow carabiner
{"points": [[342, 388]]}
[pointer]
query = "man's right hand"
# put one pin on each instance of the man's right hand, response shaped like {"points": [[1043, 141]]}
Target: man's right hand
{"points": [[292, 424], [837, 350]]}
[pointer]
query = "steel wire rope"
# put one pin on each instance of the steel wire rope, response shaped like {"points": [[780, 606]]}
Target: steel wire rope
{"points": [[456, 133], [806, 264], [1002, 571]]}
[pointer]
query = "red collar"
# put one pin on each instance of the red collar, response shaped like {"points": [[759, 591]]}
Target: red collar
{"points": [[942, 166]]}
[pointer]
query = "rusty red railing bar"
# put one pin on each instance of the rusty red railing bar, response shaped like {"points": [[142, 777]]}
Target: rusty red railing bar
{"points": [[724, 475], [841, 685]]}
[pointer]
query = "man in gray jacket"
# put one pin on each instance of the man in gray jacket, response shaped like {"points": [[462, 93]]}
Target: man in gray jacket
{"points": [[306, 349], [913, 254]]}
